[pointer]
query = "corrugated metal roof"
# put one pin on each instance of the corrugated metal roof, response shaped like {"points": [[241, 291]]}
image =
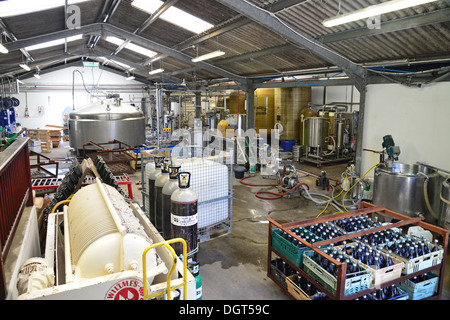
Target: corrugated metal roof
{"points": [[238, 36]]}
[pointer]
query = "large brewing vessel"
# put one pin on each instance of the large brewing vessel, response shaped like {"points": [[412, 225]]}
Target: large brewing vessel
{"points": [[105, 121]]}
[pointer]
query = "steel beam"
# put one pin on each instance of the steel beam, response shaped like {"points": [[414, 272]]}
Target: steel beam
{"points": [[424, 19], [77, 63], [104, 29], [11, 36], [238, 22], [227, 26], [250, 111], [91, 29], [36, 63], [264, 18], [390, 26], [163, 8], [152, 18], [115, 31], [359, 133], [99, 53]]}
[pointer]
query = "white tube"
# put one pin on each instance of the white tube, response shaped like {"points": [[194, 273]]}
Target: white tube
{"points": [[67, 254], [425, 194], [317, 201]]}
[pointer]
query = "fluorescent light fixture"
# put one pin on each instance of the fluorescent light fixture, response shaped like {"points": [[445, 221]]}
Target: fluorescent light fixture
{"points": [[158, 57], [18, 7], [130, 78], [174, 15], [90, 64], [132, 47], [53, 43], [156, 71], [24, 66], [123, 65], [373, 11], [37, 76], [209, 56], [20, 81], [3, 49]]}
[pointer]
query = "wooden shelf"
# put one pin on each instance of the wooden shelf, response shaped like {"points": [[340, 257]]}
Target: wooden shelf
{"points": [[365, 208]]}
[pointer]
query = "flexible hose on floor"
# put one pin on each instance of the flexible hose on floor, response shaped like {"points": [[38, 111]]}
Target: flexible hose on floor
{"points": [[278, 195]]}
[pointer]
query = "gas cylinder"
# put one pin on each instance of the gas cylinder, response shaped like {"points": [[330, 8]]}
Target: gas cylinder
{"points": [[159, 184], [195, 270], [149, 168], [167, 191], [151, 188], [183, 216]]}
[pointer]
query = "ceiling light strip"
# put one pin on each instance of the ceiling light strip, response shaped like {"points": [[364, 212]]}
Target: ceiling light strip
{"points": [[372, 11], [156, 71], [209, 56]]}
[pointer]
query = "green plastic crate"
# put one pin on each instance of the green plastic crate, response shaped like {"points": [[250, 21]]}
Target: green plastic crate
{"points": [[359, 282], [290, 251]]}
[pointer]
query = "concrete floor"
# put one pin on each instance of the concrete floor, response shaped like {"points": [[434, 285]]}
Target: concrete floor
{"points": [[234, 266]]}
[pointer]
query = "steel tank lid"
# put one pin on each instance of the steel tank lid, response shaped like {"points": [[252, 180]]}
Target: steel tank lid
{"points": [[406, 169], [107, 110]]}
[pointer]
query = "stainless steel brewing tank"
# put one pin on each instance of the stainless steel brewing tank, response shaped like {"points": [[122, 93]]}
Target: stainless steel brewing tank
{"points": [[401, 189], [106, 121], [316, 132]]}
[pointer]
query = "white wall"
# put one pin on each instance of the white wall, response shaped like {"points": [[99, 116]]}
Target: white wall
{"points": [[52, 94], [326, 95], [417, 119]]}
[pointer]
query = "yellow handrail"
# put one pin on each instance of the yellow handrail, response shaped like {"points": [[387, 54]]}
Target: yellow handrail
{"points": [[169, 275]]}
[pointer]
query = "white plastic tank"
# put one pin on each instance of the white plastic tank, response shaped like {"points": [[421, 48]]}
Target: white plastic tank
{"points": [[210, 180]]}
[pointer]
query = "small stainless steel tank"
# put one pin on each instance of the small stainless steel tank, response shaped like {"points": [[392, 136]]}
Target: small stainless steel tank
{"points": [[106, 121], [401, 189], [316, 132]]}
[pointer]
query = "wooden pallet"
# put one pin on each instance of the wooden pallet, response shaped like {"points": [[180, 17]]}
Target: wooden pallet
{"points": [[38, 134], [46, 146], [55, 136], [49, 138]]}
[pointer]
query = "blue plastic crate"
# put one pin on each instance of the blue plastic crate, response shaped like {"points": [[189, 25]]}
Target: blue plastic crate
{"points": [[421, 290]]}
